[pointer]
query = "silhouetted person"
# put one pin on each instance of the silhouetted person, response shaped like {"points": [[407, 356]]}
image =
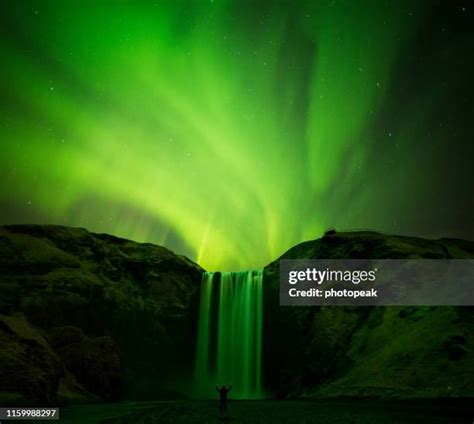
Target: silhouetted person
{"points": [[223, 398]]}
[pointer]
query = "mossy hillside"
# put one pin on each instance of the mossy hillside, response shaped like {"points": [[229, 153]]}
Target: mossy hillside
{"points": [[369, 351], [142, 296]]}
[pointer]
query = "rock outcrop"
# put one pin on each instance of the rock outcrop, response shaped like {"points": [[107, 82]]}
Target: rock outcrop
{"points": [[31, 370], [400, 352], [95, 362], [98, 304]]}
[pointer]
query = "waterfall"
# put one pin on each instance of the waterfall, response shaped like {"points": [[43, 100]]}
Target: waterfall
{"points": [[229, 337]]}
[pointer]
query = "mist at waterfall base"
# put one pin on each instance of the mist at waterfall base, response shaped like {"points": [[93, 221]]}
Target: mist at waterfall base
{"points": [[230, 131], [229, 338]]}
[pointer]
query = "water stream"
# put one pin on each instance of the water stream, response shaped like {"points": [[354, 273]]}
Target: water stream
{"points": [[229, 339]]}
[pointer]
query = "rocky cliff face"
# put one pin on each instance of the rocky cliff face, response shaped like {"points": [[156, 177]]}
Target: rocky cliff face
{"points": [[93, 317], [93, 313], [369, 351]]}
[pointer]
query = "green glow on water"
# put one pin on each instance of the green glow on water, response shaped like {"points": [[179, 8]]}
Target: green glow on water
{"points": [[229, 342]]}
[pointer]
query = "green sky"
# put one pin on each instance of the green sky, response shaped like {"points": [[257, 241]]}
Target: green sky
{"points": [[230, 131]]}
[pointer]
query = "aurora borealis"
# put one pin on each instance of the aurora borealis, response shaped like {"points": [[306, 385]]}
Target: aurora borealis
{"points": [[229, 131]]}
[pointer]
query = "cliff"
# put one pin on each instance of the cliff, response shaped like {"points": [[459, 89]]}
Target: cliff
{"points": [[386, 352], [97, 316], [88, 317]]}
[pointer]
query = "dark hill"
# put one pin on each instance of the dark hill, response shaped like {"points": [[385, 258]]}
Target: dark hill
{"points": [[86, 315], [369, 351]]}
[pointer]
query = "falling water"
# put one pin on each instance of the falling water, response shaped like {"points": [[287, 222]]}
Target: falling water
{"points": [[229, 339]]}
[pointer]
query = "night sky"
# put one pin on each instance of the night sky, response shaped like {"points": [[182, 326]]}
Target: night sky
{"points": [[230, 131]]}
